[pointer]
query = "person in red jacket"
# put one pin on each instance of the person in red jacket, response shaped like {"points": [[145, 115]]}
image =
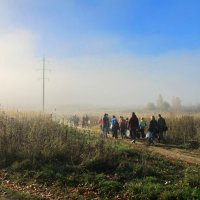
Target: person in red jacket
{"points": [[122, 126], [133, 126]]}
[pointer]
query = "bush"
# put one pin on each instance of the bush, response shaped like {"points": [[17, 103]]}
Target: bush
{"points": [[39, 139], [103, 163], [23, 165]]}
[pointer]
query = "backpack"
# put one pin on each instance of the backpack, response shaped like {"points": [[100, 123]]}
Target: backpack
{"points": [[165, 128], [115, 125]]}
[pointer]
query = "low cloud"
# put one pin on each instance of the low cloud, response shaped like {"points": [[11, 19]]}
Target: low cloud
{"points": [[93, 79], [127, 80], [17, 68]]}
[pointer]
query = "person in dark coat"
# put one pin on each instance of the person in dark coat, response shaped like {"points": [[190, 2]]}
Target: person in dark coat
{"points": [[105, 125], [161, 128], [133, 126], [153, 127]]}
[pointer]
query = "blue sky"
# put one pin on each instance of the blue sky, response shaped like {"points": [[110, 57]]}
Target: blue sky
{"points": [[141, 43], [143, 27]]}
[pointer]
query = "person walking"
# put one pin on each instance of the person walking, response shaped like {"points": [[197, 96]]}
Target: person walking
{"points": [[114, 127], [122, 126], [142, 126], [105, 125], [153, 128], [161, 128], [133, 126], [100, 123], [127, 128]]}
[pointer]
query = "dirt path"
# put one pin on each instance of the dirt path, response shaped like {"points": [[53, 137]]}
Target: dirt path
{"points": [[170, 152]]}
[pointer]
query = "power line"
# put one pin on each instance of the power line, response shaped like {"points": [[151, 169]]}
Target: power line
{"points": [[44, 69], [43, 85]]}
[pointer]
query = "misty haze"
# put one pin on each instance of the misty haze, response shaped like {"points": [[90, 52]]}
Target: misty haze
{"points": [[99, 99], [113, 68]]}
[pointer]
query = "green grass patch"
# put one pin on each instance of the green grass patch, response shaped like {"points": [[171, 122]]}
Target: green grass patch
{"points": [[70, 161]]}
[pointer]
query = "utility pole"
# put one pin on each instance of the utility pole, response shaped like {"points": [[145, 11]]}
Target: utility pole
{"points": [[43, 78], [43, 91]]}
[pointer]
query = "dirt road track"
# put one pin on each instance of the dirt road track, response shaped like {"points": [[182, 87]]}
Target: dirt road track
{"points": [[176, 154], [172, 153]]}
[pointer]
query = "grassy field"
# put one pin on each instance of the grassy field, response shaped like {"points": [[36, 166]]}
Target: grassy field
{"points": [[46, 160]]}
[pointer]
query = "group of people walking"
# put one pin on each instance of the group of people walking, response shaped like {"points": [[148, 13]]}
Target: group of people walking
{"points": [[134, 128]]}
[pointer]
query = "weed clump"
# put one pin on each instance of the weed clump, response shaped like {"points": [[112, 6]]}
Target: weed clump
{"points": [[192, 177]]}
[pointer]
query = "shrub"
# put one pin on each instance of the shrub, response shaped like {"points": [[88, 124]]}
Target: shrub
{"points": [[23, 165], [102, 165]]}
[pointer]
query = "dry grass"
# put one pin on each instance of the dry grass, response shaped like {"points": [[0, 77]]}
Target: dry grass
{"points": [[182, 127]]}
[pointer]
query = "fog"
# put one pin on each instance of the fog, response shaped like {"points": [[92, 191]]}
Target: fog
{"points": [[108, 80], [89, 71]]}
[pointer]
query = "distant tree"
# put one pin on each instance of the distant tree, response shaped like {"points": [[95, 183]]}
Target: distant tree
{"points": [[197, 108], [160, 102], [151, 106], [176, 104], [165, 106]]}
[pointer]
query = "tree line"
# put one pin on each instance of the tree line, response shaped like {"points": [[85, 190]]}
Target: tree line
{"points": [[174, 106]]}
